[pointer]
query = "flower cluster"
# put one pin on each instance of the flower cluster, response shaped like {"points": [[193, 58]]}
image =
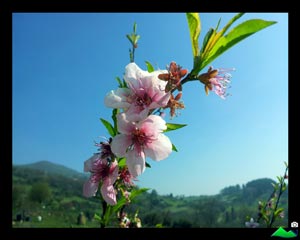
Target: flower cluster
{"points": [[139, 134], [138, 126]]}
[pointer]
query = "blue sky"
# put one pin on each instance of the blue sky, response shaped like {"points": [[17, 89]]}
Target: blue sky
{"points": [[64, 64]]}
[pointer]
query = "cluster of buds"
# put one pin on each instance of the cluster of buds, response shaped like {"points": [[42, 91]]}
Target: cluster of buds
{"points": [[173, 77]]}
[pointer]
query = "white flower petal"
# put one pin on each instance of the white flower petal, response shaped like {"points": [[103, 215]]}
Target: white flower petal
{"points": [[159, 149], [125, 125], [135, 162], [118, 98], [133, 73], [90, 188], [119, 144]]}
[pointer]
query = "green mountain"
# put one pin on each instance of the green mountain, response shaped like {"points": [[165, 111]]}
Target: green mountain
{"points": [[55, 192], [280, 232], [52, 168]]}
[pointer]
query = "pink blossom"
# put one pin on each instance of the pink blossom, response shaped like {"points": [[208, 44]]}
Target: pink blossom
{"points": [[145, 92], [140, 138], [216, 80], [221, 82], [126, 177], [101, 171]]}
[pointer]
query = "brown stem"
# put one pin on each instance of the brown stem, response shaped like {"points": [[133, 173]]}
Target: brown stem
{"points": [[279, 195], [104, 207]]}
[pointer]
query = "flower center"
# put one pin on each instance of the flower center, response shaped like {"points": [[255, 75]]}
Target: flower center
{"points": [[143, 100], [139, 137], [100, 170]]}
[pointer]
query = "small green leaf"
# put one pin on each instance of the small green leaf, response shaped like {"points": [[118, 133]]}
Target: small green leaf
{"points": [[174, 148], [122, 162], [107, 215], [134, 27], [231, 21], [150, 68], [136, 192], [148, 165], [174, 126], [200, 62], [208, 35], [283, 187], [286, 164], [275, 186], [122, 201], [119, 82], [278, 211], [194, 24], [130, 38], [114, 118], [109, 127], [97, 217], [124, 84], [236, 35]]}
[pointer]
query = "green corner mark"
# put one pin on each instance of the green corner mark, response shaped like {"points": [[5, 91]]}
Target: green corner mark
{"points": [[280, 232]]}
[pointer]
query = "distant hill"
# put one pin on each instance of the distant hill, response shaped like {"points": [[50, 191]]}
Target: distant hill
{"points": [[230, 208], [53, 168]]}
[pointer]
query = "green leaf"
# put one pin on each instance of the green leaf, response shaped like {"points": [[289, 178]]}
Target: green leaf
{"points": [[122, 162], [278, 211], [134, 193], [283, 187], [109, 127], [286, 164], [194, 24], [279, 178], [150, 68], [114, 118], [174, 126], [124, 84], [174, 148], [209, 43], [209, 34], [275, 186], [134, 27], [130, 38], [107, 215], [119, 81], [231, 21], [97, 217], [236, 35], [121, 202], [148, 165]]}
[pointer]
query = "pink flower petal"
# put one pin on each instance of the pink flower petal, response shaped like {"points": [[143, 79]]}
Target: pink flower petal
{"points": [[152, 125], [124, 125], [120, 143], [90, 188], [135, 162], [133, 73], [161, 98], [118, 99], [159, 149], [108, 194], [114, 173], [89, 163]]}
